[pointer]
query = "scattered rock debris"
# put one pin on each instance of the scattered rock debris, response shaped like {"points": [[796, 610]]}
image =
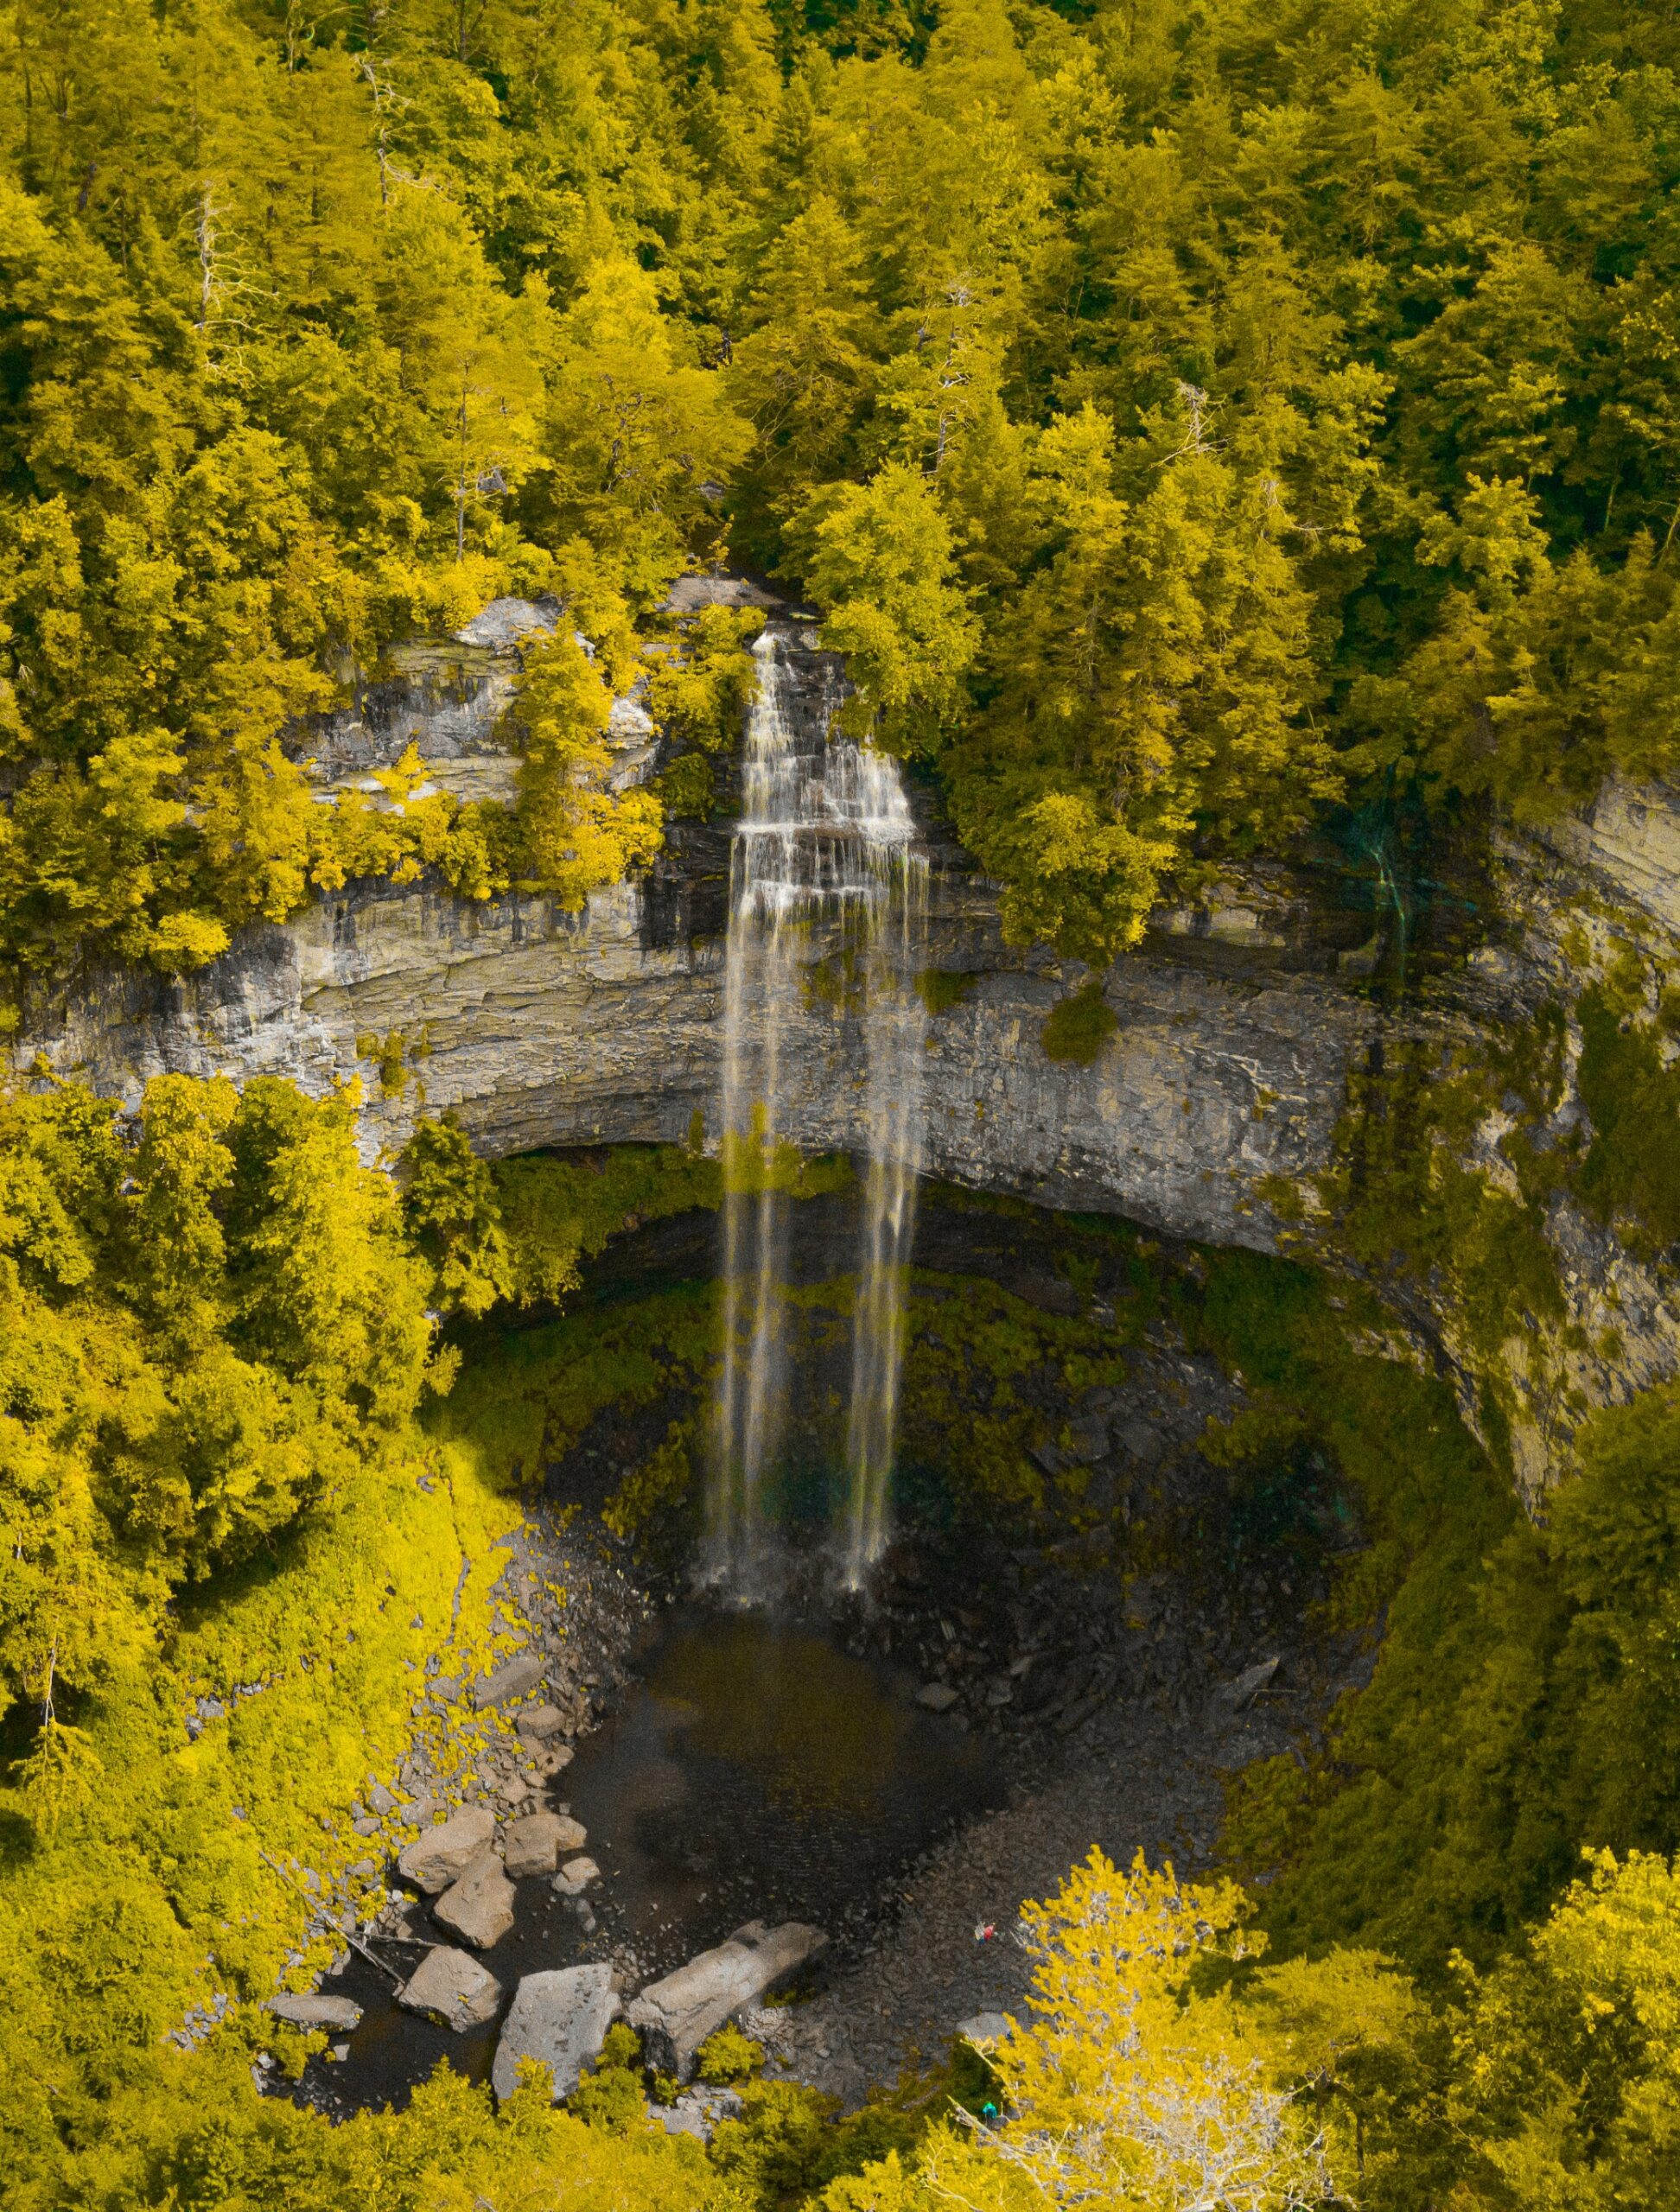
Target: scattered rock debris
{"points": [[1118, 1699]]}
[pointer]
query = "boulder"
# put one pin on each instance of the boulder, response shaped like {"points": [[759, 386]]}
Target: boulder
{"points": [[505, 622], [1087, 1438], [938, 1697], [313, 2011], [575, 1877], [453, 1988], [1141, 1439], [696, 2113], [441, 1854], [511, 1679], [677, 2014], [479, 1908], [533, 1845], [561, 2018], [982, 2028], [541, 1722]]}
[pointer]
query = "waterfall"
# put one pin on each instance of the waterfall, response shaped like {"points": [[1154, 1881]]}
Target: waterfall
{"points": [[894, 1044], [825, 838]]}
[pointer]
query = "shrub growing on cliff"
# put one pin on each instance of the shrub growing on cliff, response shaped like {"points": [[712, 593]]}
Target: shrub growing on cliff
{"points": [[1078, 1026], [573, 833]]}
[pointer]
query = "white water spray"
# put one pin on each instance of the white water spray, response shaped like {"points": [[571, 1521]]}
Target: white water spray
{"points": [[826, 835]]}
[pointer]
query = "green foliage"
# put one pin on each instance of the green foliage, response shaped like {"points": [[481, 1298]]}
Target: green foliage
{"points": [[1523, 1701], [1569, 2091], [654, 1490], [792, 2142], [1078, 1026], [58, 1777], [516, 1231], [698, 690], [1123, 2086], [941, 989], [1631, 1092], [1179, 426], [526, 1397], [454, 1219], [728, 2056], [880, 558], [211, 1323], [319, 359], [573, 833], [609, 2096], [969, 1411], [392, 1055]]}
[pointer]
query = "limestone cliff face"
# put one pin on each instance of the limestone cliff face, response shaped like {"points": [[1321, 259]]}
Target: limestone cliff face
{"points": [[1597, 894], [542, 1028], [1238, 1026]]}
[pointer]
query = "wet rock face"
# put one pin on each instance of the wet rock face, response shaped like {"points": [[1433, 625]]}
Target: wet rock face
{"points": [[542, 1028]]}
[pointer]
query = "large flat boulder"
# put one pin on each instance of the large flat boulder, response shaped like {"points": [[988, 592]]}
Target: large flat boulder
{"points": [[479, 1908], [452, 1986], [441, 1855], [676, 2015], [560, 2019]]}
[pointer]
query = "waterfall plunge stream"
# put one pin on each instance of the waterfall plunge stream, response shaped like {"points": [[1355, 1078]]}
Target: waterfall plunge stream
{"points": [[826, 839]]}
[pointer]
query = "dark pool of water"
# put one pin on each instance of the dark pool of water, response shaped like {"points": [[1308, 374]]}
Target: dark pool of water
{"points": [[755, 1772]]}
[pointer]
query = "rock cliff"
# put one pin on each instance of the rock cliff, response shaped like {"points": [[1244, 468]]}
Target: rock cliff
{"points": [[543, 1028], [1220, 1091], [539, 1027]]}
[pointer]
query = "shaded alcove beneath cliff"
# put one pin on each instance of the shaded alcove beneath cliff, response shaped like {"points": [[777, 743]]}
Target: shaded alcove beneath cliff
{"points": [[1062, 1393]]}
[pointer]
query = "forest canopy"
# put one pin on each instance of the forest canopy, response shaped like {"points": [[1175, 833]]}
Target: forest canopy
{"points": [[1190, 420]]}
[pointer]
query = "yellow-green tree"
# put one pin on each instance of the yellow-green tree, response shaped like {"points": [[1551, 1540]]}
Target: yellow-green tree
{"points": [[1122, 2088], [576, 832]]}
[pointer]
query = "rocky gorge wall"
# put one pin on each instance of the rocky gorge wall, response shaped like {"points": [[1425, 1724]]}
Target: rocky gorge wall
{"points": [[1215, 1109], [539, 1027], [542, 1028], [1587, 940]]}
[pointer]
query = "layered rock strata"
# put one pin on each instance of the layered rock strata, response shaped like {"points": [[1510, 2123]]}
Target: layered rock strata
{"points": [[1220, 1091]]}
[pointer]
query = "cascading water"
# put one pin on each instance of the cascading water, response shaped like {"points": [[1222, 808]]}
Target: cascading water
{"points": [[826, 837], [895, 1040]]}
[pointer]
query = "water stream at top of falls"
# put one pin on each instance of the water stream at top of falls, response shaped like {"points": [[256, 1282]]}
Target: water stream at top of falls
{"points": [[826, 839]]}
